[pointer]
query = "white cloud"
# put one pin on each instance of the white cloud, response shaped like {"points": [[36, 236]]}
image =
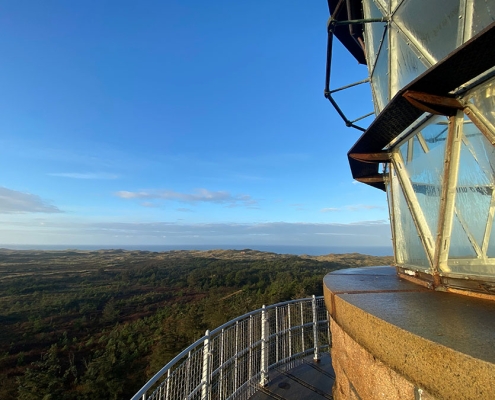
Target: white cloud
{"points": [[200, 195], [366, 233], [77, 175], [14, 202]]}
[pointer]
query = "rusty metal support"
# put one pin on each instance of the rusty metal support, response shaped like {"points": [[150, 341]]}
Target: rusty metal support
{"points": [[377, 178], [377, 157], [439, 105]]}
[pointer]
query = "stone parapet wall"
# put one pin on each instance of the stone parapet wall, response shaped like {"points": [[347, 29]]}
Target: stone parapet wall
{"points": [[392, 339], [360, 375]]}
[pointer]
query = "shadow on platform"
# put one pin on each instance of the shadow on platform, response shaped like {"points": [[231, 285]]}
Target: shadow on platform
{"points": [[309, 380]]}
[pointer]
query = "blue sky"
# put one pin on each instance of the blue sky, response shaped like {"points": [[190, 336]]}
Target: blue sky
{"points": [[178, 122]]}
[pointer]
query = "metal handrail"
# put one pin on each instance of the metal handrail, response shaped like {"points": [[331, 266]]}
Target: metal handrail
{"points": [[233, 360]]}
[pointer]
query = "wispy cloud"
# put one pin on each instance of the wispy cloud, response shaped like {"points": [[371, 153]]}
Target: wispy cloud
{"points": [[149, 204], [182, 209], [85, 175], [356, 207], [370, 233], [15, 202], [199, 196]]}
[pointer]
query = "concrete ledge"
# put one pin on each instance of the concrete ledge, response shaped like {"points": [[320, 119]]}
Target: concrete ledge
{"points": [[436, 343]]}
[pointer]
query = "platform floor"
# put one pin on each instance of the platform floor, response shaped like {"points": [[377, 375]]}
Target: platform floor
{"points": [[310, 381]]}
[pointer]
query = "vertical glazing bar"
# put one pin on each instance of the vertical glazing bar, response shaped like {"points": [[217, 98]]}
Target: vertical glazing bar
{"points": [[264, 347], [315, 330], [302, 327], [205, 373], [447, 205]]}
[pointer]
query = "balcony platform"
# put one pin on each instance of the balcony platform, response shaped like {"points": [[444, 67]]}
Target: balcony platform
{"points": [[308, 380]]}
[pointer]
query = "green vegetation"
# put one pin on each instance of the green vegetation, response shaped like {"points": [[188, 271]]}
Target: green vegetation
{"points": [[87, 325]]}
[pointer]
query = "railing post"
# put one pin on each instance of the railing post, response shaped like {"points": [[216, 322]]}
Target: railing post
{"points": [[315, 330], [188, 375], [303, 347], [236, 357], [277, 336], [222, 383], [264, 347], [167, 392], [206, 376], [250, 341], [290, 331]]}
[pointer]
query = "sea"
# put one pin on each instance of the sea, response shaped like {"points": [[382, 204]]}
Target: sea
{"points": [[280, 249]]}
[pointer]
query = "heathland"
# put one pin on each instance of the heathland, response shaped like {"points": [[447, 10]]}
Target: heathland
{"points": [[98, 324]]}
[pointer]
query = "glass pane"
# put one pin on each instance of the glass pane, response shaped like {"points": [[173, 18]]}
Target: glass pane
{"points": [[406, 132], [483, 154], [474, 186], [385, 5], [394, 4], [388, 187], [460, 246], [483, 151], [483, 15], [405, 64], [408, 247], [379, 79], [373, 32], [491, 244], [404, 150], [424, 165], [483, 98], [433, 24]]}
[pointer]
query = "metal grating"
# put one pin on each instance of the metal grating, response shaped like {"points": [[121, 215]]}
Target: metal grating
{"points": [[234, 360]]}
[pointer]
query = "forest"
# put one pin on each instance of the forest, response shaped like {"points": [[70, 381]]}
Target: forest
{"points": [[98, 324]]}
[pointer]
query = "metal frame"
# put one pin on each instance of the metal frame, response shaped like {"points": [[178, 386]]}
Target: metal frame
{"points": [[235, 359], [332, 24], [449, 190]]}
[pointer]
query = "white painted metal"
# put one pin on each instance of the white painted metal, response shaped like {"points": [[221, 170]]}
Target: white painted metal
{"points": [[206, 374], [316, 356], [264, 347]]}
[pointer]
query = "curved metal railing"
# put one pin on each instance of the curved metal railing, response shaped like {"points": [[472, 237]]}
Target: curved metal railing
{"points": [[233, 360]]}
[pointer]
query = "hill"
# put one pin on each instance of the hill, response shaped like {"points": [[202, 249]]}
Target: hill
{"points": [[98, 324]]}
